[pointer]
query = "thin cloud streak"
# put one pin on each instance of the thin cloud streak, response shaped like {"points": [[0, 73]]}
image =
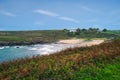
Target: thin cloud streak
{"points": [[69, 19], [48, 13], [7, 13], [87, 9]]}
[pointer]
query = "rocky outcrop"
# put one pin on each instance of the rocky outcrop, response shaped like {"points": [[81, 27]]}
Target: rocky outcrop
{"points": [[21, 43]]}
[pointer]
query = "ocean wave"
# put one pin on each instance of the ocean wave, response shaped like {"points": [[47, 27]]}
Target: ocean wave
{"points": [[45, 49], [33, 49], [7, 46], [2, 47]]}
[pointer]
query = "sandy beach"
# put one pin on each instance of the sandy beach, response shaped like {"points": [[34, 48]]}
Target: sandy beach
{"points": [[81, 42]]}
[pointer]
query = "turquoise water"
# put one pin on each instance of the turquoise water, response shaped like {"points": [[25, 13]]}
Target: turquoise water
{"points": [[11, 53]]}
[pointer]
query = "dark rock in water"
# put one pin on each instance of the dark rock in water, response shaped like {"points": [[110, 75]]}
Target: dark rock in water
{"points": [[17, 47]]}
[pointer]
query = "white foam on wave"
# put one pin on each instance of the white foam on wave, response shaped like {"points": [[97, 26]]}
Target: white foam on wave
{"points": [[46, 49], [2, 47], [7, 46], [33, 49]]}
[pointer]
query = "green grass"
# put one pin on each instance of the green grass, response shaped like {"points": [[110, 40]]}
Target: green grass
{"points": [[32, 36], [94, 71], [13, 38], [101, 62], [116, 32], [100, 71]]}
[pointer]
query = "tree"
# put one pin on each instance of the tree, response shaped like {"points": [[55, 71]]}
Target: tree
{"points": [[78, 31], [94, 30], [84, 30], [104, 30], [66, 30]]}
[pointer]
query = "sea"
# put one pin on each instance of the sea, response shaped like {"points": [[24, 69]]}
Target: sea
{"points": [[9, 53]]}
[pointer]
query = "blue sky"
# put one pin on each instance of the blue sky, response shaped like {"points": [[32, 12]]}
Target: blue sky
{"points": [[59, 14]]}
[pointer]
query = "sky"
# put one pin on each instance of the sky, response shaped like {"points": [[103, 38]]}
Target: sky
{"points": [[59, 14]]}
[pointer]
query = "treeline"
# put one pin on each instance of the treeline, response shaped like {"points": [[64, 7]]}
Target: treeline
{"points": [[89, 33]]}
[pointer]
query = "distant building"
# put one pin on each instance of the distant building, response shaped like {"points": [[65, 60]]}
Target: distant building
{"points": [[72, 30]]}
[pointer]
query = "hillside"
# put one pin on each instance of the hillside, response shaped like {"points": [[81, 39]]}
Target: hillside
{"points": [[100, 62], [47, 36], [30, 37]]}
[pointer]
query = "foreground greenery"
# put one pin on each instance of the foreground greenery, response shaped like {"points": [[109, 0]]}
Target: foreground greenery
{"points": [[43, 36], [100, 62]]}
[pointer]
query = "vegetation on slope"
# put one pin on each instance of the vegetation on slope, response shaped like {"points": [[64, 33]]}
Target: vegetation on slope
{"points": [[43, 36], [100, 62], [30, 37], [116, 32]]}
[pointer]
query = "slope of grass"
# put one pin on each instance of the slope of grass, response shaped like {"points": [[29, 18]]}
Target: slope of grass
{"points": [[115, 32], [42, 36], [30, 37], [100, 62]]}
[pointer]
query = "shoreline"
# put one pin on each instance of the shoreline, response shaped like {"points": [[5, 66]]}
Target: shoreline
{"points": [[65, 41], [81, 42], [51, 48]]}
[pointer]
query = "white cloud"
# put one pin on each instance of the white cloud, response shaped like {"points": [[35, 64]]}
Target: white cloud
{"points": [[46, 12], [49, 13], [69, 19], [87, 9], [7, 13]]}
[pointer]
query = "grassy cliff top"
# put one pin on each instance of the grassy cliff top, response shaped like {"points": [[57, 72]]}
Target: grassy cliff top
{"points": [[53, 35]]}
